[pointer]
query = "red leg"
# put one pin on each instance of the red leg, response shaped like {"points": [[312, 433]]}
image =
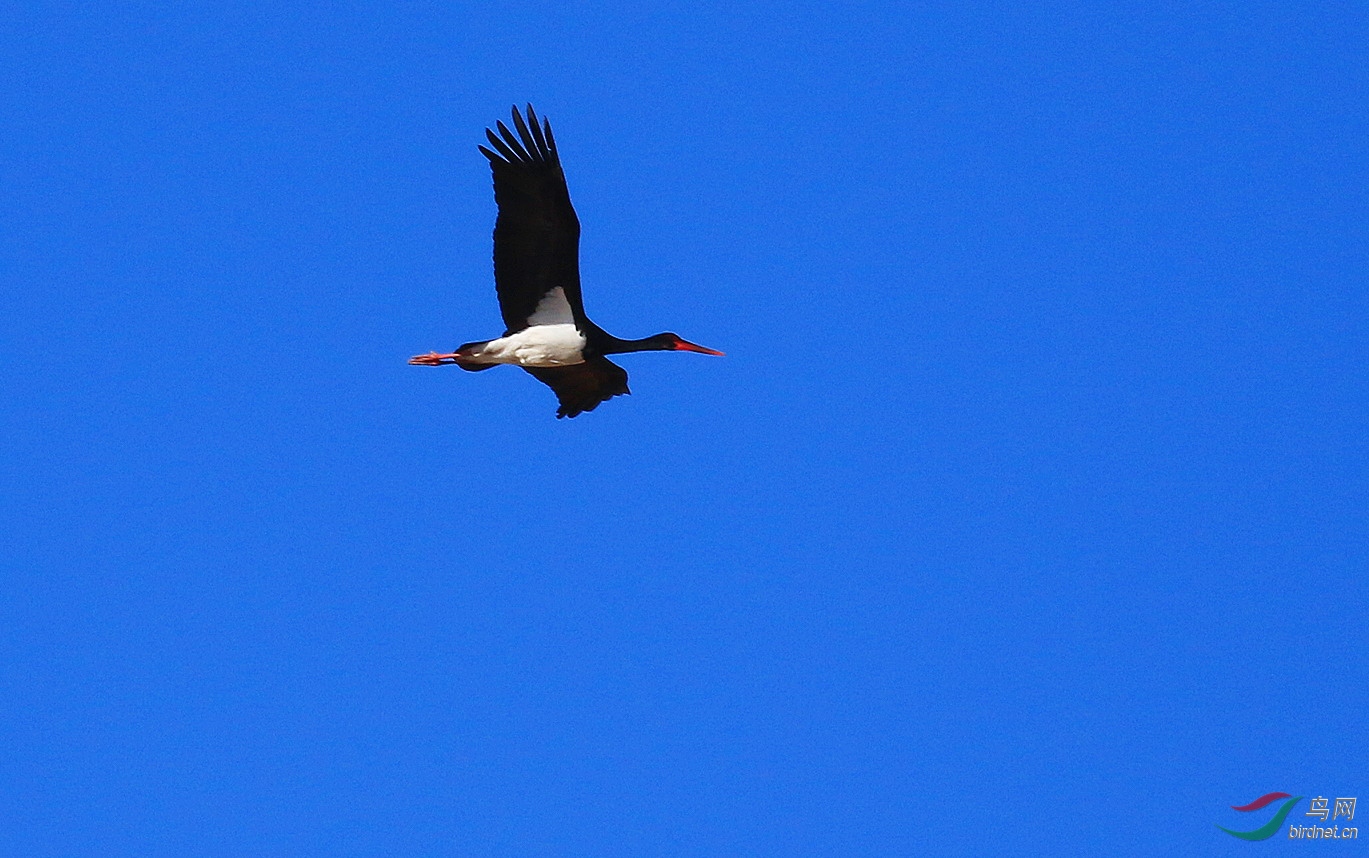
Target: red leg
{"points": [[432, 359]]}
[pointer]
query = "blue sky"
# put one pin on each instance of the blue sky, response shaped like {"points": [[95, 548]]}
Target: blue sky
{"points": [[1026, 514]]}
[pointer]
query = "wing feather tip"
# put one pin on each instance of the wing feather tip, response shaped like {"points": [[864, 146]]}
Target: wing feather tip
{"points": [[578, 408], [512, 142], [537, 136], [528, 139], [534, 141]]}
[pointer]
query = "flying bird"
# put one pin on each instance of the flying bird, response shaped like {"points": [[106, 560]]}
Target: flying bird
{"points": [[537, 279]]}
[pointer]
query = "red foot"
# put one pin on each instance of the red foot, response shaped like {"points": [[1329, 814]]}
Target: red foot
{"points": [[432, 359]]}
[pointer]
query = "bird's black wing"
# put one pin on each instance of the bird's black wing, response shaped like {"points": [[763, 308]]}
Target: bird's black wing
{"points": [[582, 386], [537, 235]]}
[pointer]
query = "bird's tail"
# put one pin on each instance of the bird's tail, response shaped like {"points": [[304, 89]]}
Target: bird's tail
{"points": [[471, 349]]}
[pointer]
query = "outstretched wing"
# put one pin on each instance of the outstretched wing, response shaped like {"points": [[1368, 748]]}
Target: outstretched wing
{"points": [[537, 235], [582, 386]]}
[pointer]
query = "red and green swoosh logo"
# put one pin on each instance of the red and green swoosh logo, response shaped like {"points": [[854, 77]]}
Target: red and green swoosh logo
{"points": [[1266, 831]]}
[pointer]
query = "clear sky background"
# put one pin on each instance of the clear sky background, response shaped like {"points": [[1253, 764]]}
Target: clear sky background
{"points": [[1028, 512]]}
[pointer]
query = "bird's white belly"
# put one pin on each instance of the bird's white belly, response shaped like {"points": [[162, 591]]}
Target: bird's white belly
{"points": [[538, 345]]}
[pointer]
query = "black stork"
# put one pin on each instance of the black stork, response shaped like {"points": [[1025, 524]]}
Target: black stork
{"points": [[537, 278]]}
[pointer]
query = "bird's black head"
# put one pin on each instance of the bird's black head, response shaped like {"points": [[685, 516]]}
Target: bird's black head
{"points": [[675, 343]]}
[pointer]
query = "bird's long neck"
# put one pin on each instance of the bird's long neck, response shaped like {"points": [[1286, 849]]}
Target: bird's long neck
{"points": [[608, 344]]}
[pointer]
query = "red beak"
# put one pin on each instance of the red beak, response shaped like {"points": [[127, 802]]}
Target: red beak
{"points": [[683, 346]]}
